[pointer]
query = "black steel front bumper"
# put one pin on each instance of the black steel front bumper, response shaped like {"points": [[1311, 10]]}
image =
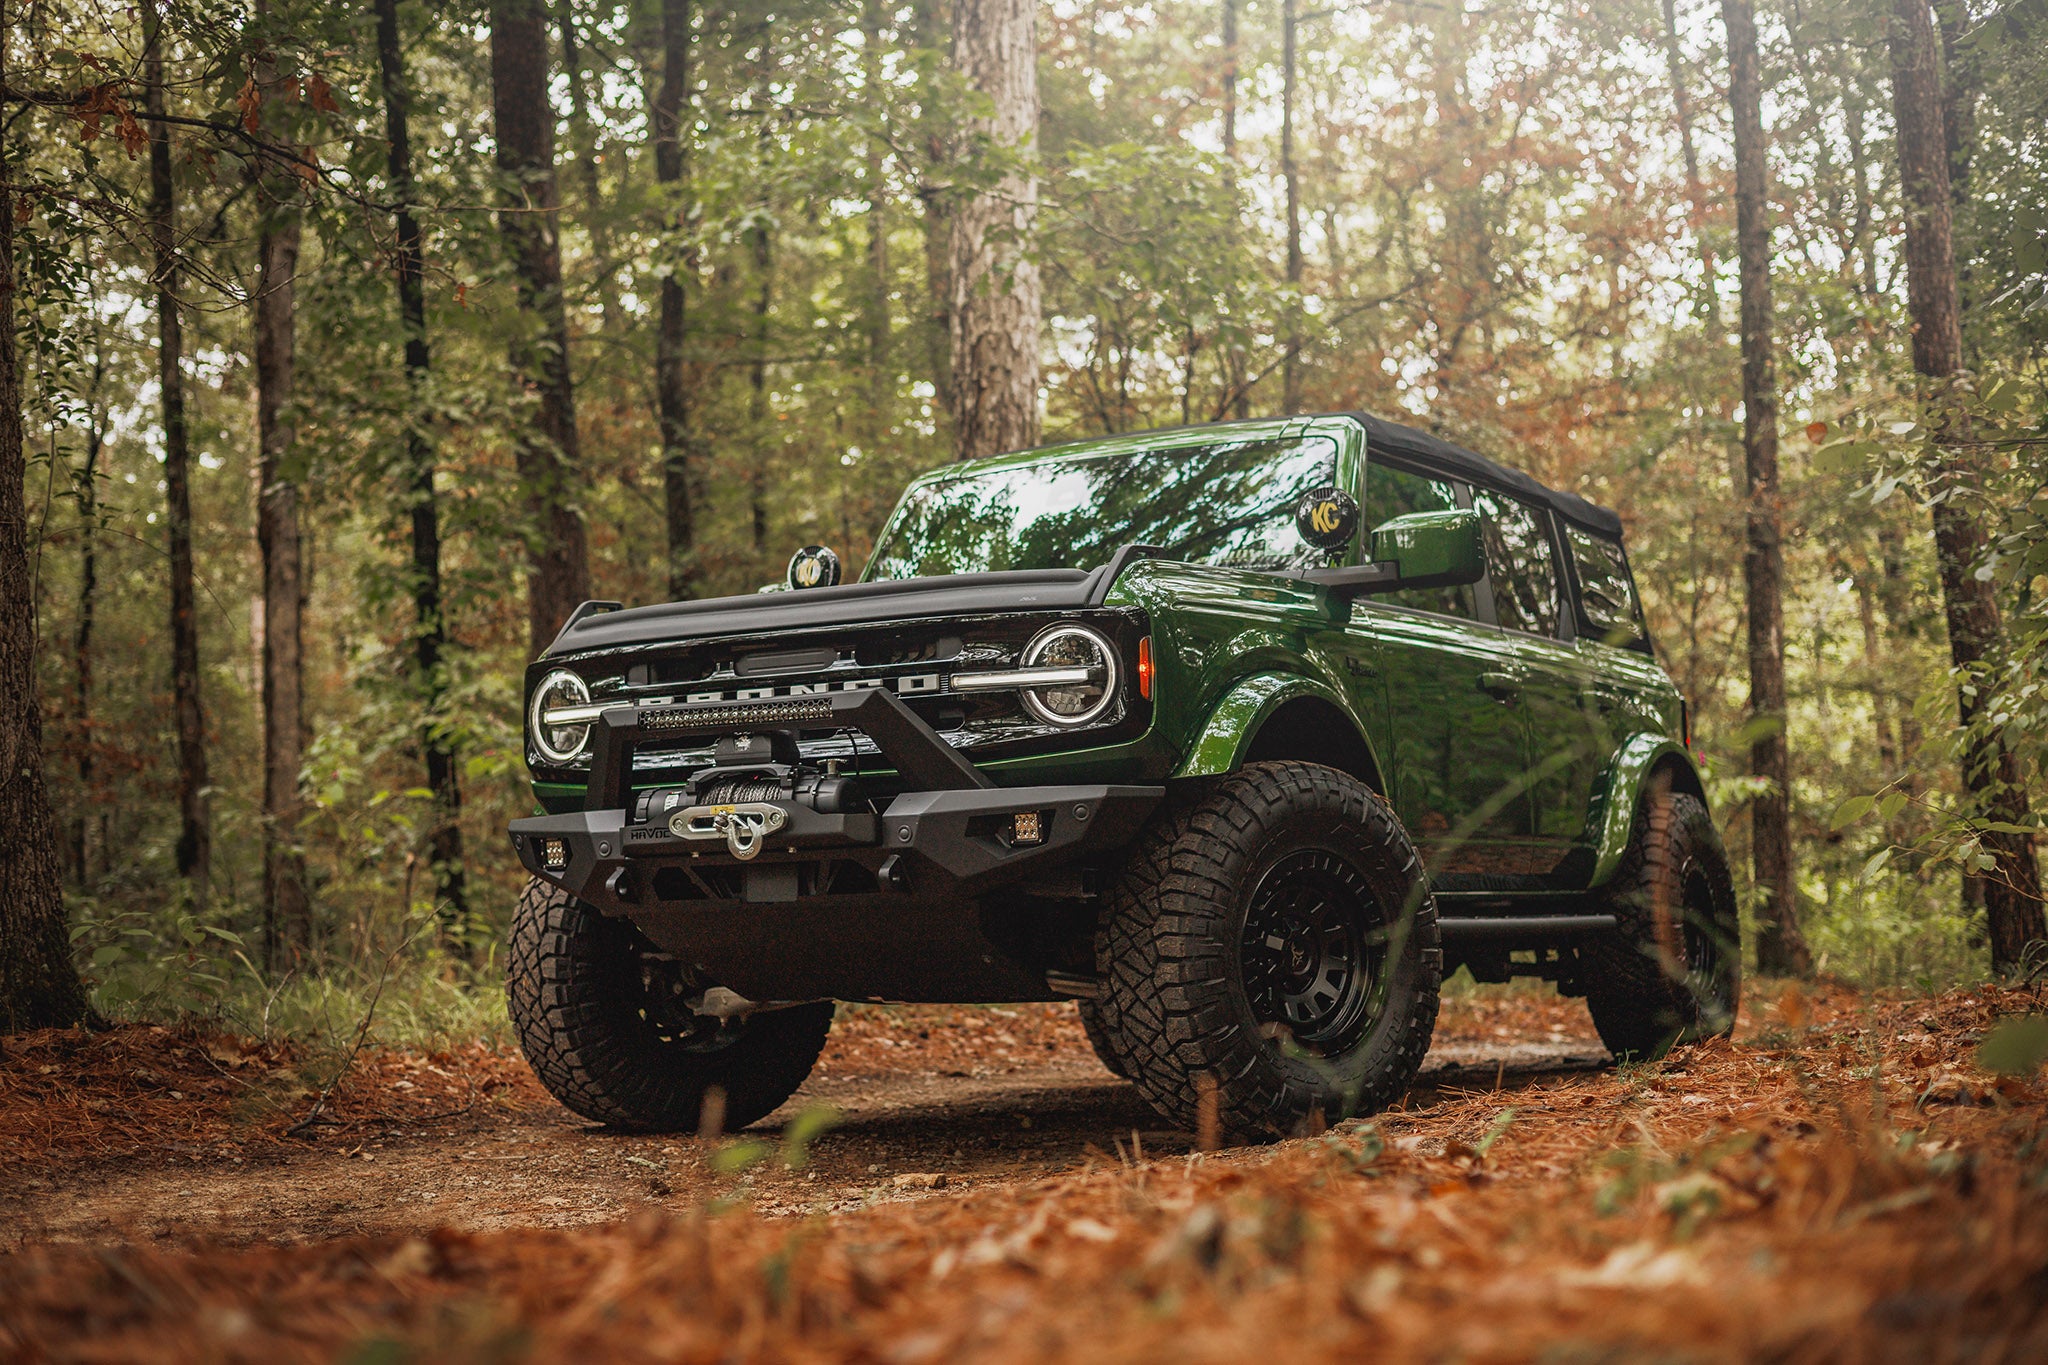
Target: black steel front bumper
{"points": [[889, 904]]}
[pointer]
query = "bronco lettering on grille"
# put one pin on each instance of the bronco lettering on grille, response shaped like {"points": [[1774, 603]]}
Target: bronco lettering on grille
{"points": [[909, 685]]}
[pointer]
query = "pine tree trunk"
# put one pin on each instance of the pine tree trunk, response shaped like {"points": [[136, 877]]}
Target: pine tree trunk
{"points": [[761, 246], [430, 631], [673, 112], [1290, 369], [1681, 99], [287, 918], [549, 455], [876, 321], [927, 24], [584, 155], [82, 635], [39, 985], [1991, 771], [1780, 948], [995, 283], [195, 833], [1237, 397]]}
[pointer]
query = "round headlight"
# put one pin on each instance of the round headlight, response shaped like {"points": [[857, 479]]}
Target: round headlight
{"points": [[1075, 648], [558, 744]]}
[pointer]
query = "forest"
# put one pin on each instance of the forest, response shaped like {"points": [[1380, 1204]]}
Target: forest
{"points": [[345, 348], [334, 400]]}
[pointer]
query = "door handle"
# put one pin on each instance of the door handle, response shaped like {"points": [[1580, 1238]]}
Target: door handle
{"points": [[1502, 685]]}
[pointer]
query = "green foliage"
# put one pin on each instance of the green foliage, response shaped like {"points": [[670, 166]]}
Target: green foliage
{"points": [[2017, 1047]]}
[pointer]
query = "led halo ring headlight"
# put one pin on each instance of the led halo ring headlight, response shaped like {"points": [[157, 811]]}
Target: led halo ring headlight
{"points": [[560, 745], [1071, 647]]}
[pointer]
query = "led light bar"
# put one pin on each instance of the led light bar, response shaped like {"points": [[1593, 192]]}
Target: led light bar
{"points": [[578, 715], [756, 713], [1022, 677]]}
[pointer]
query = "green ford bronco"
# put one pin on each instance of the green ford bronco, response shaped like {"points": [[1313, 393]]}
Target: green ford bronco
{"points": [[1240, 736]]}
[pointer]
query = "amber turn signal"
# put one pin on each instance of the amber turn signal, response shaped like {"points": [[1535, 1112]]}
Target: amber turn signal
{"points": [[1145, 667]]}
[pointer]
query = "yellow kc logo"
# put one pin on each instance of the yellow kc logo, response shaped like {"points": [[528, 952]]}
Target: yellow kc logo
{"points": [[807, 573], [1324, 518]]}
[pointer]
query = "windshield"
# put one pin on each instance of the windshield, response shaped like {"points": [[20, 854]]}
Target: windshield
{"points": [[1229, 504]]}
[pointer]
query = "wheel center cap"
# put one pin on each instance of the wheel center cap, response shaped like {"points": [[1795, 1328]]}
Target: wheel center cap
{"points": [[1297, 955]]}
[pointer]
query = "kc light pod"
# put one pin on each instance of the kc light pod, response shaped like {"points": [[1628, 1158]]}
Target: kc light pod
{"points": [[558, 742], [1085, 653]]}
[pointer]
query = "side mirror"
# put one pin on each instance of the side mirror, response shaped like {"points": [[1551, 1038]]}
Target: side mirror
{"points": [[1420, 550], [1432, 549], [814, 566]]}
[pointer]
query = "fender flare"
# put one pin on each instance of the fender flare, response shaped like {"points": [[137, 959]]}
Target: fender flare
{"points": [[1615, 813], [1219, 747]]}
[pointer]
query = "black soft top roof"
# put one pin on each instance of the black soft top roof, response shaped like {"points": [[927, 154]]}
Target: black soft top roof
{"points": [[1382, 435]]}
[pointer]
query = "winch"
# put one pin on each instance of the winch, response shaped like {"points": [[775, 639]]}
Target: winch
{"points": [[745, 797]]}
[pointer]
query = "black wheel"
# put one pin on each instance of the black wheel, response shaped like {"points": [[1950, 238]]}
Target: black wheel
{"points": [[604, 1018], [1274, 939], [1099, 1038], [1671, 972]]}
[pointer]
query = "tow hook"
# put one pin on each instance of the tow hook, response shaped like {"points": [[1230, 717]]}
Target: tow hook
{"points": [[743, 827]]}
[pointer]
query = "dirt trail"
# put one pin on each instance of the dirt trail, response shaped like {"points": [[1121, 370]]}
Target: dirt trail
{"points": [[1851, 1178], [928, 1101]]}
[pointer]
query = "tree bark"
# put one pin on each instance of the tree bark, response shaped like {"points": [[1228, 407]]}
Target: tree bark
{"points": [[430, 630], [673, 114], [1290, 367], [927, 23], [1681, 98], [761, 247], [39, 985], [876, 321], [673, 133], [1780, 947], [1991, 771], [548, 452], [88, 606], [195, 833], [1859, 187], [995, 282], [583, 152], [1238, 398], [287, 917]]}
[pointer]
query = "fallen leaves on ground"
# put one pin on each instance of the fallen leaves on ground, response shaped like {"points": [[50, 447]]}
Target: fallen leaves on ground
{"points": [[1842, 1183], [145, 1092]]}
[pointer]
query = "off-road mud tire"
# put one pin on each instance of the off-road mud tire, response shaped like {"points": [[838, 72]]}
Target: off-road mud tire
{"points": [[573, 990], [1671, 972], [1100, 1039], [1170, 953]]}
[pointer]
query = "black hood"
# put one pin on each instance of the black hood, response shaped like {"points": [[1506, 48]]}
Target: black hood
{"points": [[849, 604]]}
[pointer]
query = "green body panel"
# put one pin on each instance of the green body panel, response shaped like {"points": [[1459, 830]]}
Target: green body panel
{"points": [[1220, 746], [1457, 756], [1541, 790], [1621, 787]]}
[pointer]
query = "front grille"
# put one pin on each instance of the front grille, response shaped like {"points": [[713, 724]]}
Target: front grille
{"points": [[990, 725]]}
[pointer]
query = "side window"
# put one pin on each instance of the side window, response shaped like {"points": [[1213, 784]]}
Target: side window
{"points": [[1391, 493], [1520, 562], [1607, 593]]}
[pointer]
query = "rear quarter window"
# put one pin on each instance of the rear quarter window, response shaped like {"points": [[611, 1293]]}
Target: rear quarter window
{"points": [[1520, 562], [1609, 609]]}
